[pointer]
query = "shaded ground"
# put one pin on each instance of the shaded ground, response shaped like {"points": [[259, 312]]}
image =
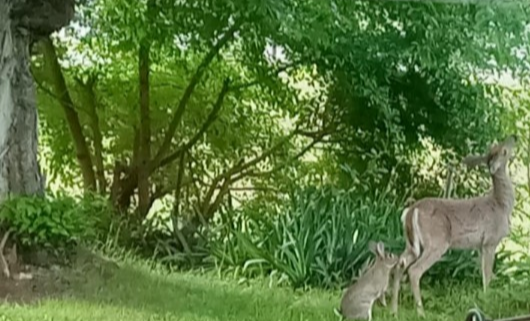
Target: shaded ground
{"points": [[56, 281], [137, 291], [45, 283]]}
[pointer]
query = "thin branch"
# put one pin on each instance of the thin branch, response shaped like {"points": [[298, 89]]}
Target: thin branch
{"points": [[209, 121], [209, 208], [241, 166], [254, 188], [88, 87], [175, 121], [301, 153], [162, 191], [277, 71]]}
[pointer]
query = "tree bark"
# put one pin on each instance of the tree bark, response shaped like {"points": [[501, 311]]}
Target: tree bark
{"points": [[21, 23], [19, 168]]}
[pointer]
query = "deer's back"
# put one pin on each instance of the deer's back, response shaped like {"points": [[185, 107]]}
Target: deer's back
{"points": [[467, 223]]}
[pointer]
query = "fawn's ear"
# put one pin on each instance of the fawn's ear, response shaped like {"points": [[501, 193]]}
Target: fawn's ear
{"points": [[475, 160]]}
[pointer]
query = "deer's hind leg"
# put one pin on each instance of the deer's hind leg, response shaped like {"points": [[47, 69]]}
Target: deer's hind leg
{"points": [[430, 255]]}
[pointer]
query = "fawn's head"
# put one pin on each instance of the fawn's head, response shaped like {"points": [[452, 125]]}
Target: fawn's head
{"points": [[389, 260], [497, 157]]}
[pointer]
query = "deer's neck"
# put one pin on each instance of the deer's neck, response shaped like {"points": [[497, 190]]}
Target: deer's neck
{"points": [[503, 189]]}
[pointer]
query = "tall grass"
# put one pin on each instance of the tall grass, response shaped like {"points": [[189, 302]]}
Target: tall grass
{"points": [[321, 239]]}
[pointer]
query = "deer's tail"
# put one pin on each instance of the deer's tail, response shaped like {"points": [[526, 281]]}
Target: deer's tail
{"points": [[411, 227]]}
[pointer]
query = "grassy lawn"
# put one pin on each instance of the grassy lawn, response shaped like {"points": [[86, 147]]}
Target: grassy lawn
{"points": [[138, 293]]}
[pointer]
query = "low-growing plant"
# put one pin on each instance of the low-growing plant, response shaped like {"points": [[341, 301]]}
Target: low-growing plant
{"points": [[56, 221]]}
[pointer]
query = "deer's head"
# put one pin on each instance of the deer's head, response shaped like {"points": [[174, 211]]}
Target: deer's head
{"points": [[497, 157]]}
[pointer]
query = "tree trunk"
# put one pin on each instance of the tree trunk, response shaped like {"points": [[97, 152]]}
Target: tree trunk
{"points": [[19, 169], [83, 154], [21, 23], [98, 140], [145, 132]]}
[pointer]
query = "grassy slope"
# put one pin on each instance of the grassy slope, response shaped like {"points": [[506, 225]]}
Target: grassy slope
{"points": [[139, 293]]}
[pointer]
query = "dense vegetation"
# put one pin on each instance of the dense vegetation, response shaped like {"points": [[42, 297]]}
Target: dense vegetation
{"points": [[274, 138]]}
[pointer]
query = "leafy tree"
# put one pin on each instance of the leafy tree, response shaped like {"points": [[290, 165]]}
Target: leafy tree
{"points": [[198, 120], [181, 100]]}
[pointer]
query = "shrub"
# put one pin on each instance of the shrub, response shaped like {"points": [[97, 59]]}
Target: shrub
{"points": [[56, 222]]}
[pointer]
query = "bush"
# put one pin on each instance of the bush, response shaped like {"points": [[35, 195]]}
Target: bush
{"points": [[56, 222], [320, 239]]}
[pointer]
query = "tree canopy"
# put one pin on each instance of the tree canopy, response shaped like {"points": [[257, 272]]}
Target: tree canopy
{"points": [[216, 102]]}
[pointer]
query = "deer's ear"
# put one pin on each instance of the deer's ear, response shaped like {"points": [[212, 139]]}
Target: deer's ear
{"points": [[474, 160]]}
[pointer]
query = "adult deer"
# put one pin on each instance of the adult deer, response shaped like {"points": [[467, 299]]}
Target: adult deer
{"points": [[432, 225]]}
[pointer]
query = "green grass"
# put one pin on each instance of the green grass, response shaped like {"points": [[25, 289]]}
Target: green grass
{"points": [[142, 293]]}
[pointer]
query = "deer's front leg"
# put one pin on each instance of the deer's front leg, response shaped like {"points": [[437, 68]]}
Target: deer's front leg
{"points": [[488, 258]]}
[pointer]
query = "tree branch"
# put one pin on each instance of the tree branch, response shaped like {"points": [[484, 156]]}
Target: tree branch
{"points": [[211, 208], [96, 131], [130, 183], [209, 121], [175, 121], [83, 154], [301, 153], [241, 166], [254, 188], [162, 191]]}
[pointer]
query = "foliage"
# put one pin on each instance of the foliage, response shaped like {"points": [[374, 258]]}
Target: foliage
{"points": [[56, 222], [397, 74], [379, 76]]}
